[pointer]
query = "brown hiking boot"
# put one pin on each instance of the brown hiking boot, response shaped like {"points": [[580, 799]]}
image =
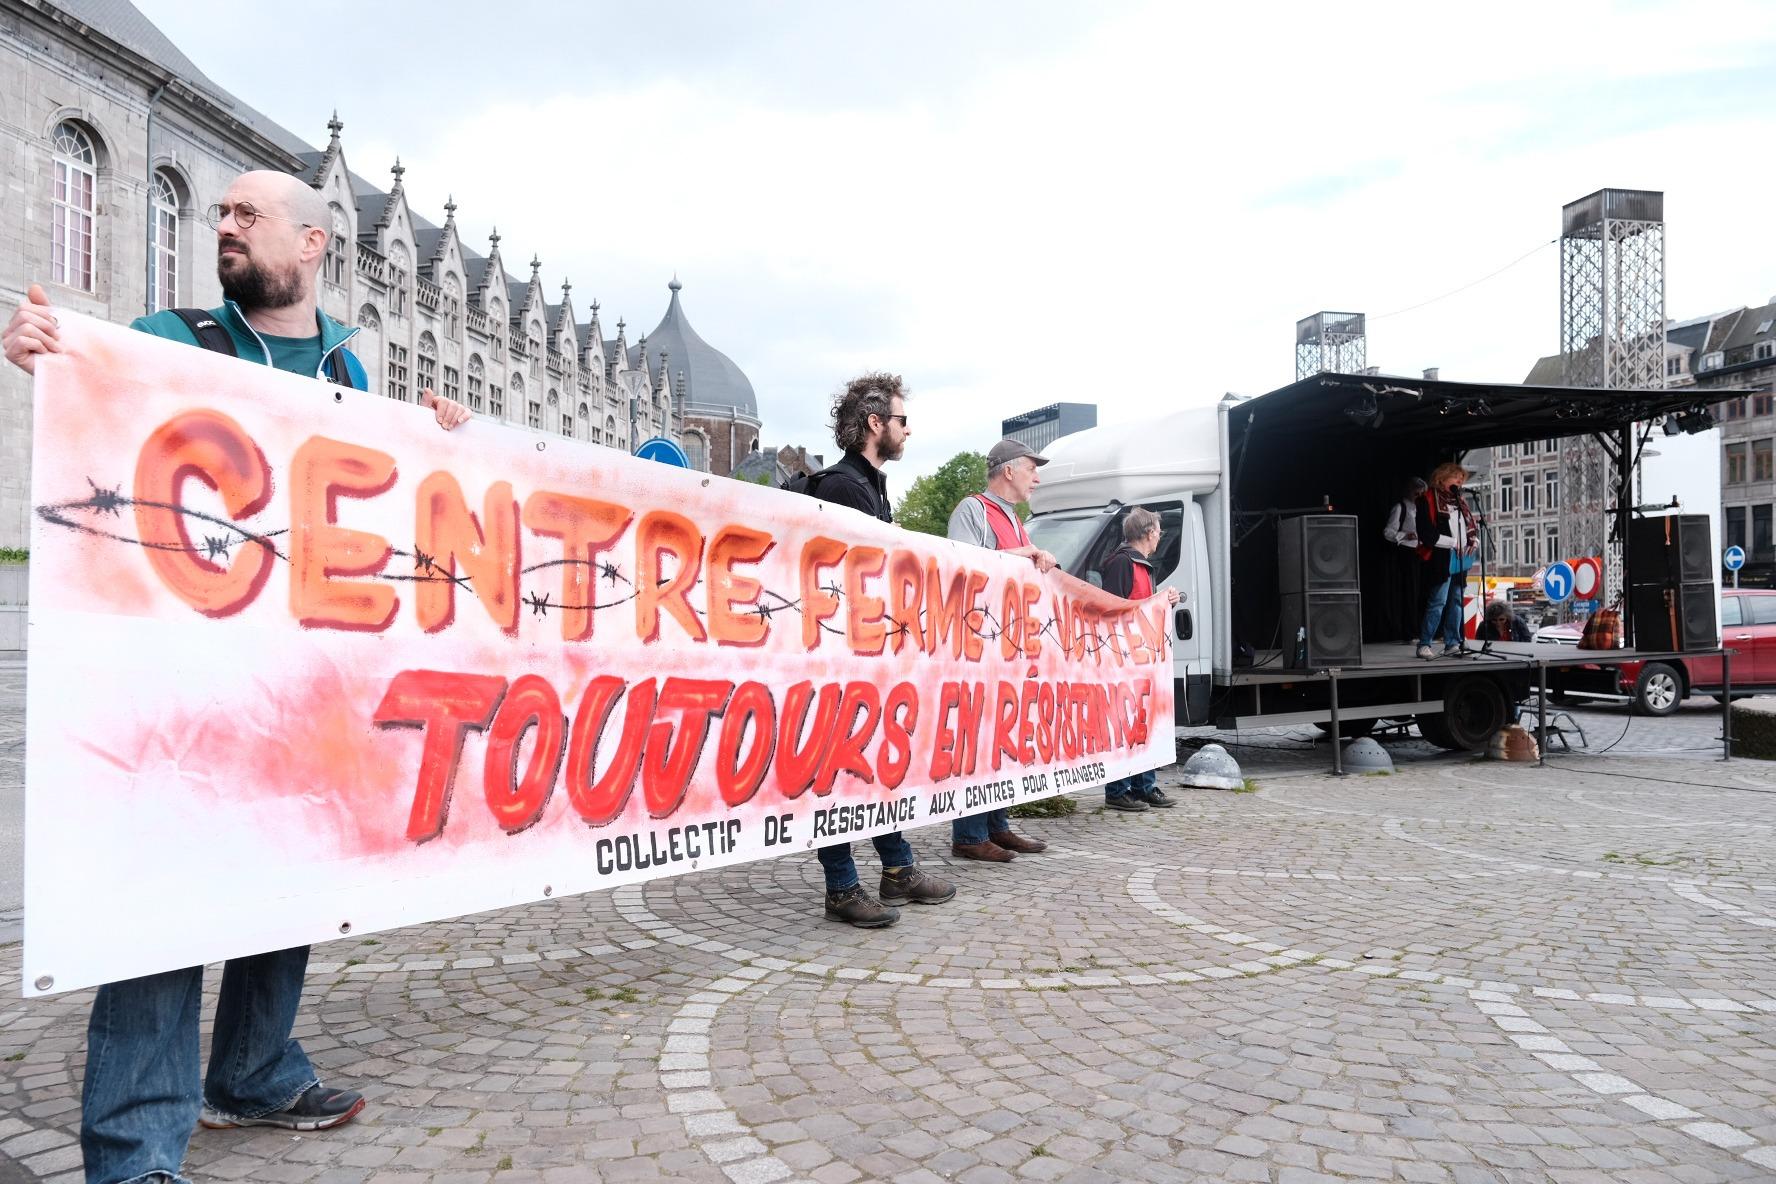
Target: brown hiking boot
{"points": [[986, 852], [909, 885], [1012, 841], [856, 907]]}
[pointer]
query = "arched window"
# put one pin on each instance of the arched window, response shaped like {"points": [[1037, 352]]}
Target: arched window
{"points": [[697, 450], [163, 277], [73, 203], [334, 267], [453, 299], [368, 342], [398, 279], [428, 362], [554, 397], [477, 382], [585, 412]]}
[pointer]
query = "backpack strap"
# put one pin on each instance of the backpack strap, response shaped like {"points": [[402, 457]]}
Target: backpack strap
{"points": [[209, 332]]}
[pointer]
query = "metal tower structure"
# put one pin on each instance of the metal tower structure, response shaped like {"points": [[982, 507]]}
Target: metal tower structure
{"points": [[1330, 341], [1612, 335]]}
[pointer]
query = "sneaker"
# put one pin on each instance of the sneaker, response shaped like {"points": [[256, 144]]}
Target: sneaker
{"points": [[910, 885], [1452, 651], [1158, 800], [1425, 651], [856, 907], [1126, 802], [319, 1108]]}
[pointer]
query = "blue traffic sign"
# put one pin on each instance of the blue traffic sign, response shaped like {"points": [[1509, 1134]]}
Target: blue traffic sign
{"points": [[1733, 559], [665, 451], [1557, 581]]}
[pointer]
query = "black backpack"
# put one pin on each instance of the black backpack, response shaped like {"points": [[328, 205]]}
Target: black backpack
{"points": [[809, 482], [213, 337]]}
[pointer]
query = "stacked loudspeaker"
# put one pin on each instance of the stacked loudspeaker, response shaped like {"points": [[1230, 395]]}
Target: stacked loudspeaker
{"points": [[1322, 610], [1671, 583]]}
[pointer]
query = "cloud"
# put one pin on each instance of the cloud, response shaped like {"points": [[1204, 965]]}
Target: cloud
{"points": [[1128, 205]]}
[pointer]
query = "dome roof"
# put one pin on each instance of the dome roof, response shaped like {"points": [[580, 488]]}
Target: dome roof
{"points": [[710, 376]]}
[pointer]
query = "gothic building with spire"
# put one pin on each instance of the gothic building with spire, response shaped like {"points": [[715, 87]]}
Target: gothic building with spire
{"points": [[114, 143]]}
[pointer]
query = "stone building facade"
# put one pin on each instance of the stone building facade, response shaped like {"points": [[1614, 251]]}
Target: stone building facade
{"points": [[1738, 354], [1733, 350], [113, 143]]}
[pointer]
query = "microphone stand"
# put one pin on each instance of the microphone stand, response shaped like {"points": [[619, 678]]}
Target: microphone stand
{"points": [[1485, 650]]}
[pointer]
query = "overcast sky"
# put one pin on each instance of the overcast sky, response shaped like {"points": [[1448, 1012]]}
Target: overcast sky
{"points": [[1013, 204]]}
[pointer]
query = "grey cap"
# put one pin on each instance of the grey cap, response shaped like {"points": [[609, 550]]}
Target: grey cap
{"points": [[1009, 450]]}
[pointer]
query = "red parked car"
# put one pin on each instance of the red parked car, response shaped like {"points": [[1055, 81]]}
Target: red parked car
{"points": [[1748, 628]]}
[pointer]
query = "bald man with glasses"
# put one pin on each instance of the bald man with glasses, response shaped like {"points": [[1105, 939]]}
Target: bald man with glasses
{"points": [[141, 1095]]}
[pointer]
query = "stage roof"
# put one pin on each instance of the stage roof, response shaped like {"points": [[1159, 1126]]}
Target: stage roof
{"points": [[1457, 416]]}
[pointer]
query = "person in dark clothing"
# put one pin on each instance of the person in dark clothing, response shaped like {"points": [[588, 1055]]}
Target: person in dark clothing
{"points": [[1502, 624], [1402, 598], [1128, 573], [870, 424]]}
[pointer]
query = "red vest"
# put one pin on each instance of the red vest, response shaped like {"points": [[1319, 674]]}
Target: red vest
{"points": [[1008, 532], [1142, 582]]}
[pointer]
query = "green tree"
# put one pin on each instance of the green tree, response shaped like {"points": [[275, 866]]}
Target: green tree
{"points": [[927, 505]]}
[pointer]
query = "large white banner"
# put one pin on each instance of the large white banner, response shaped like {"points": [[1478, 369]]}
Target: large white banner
{"points": [[302, 664]]}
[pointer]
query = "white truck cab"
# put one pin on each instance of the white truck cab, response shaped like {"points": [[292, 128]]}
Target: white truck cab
{"points": [[1172, 466]]}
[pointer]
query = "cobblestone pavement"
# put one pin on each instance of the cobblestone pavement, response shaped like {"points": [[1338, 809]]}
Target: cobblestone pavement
{"points": [[1465, 971]]}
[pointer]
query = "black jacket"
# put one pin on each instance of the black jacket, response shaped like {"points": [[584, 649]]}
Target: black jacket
{"points": [[853, 481], [1519, 631], [1119, 571]]}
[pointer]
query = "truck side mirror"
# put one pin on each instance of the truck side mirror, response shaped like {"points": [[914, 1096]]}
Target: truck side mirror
{"points": [[1184, 626]]}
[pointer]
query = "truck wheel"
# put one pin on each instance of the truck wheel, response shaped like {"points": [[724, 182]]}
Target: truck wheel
{"points": [[1658, 690], [1474, 709], [1349, 729]]}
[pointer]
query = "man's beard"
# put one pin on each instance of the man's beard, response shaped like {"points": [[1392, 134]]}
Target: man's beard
{"points": [[890, 451], [254, 287]]}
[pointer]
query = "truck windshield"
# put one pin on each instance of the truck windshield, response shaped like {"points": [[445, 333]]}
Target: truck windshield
{"points": [[1068, 537]]}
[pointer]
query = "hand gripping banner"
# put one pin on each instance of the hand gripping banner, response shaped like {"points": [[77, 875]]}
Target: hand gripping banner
{"points": [[302, 664]]}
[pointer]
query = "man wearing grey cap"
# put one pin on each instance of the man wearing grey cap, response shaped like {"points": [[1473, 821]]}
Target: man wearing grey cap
{"points": [[991, 520]]}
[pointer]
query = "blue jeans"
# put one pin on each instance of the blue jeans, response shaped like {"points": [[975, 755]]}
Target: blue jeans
{"points": [[1138, 784], [141, 1098], [1444, 610], [977, 827], [841, 869]]}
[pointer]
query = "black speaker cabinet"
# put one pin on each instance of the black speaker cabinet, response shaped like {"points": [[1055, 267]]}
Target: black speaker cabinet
{"points": [[1321, 629], [1674, 617], [1674, 549], [1317, 553]]}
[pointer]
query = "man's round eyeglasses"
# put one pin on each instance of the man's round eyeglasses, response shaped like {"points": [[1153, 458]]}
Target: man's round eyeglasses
{"points": [[244, 216]]}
